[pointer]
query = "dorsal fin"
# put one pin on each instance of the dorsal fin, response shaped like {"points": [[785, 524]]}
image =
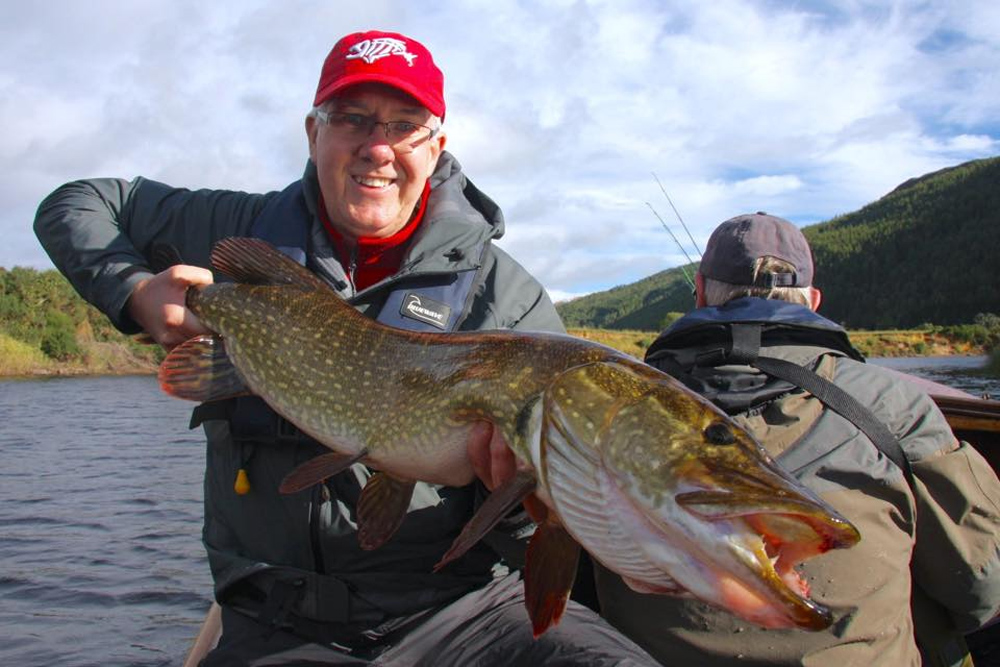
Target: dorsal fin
{"points": [[257, 262]]}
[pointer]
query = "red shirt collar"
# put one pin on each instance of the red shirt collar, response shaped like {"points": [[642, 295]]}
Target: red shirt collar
{"points": [[375, 258]]}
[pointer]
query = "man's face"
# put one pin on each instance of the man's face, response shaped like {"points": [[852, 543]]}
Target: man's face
{"points": [[370, 189]]}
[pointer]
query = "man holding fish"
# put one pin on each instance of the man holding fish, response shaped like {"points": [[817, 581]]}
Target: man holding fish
{"points": [[384, 216]]}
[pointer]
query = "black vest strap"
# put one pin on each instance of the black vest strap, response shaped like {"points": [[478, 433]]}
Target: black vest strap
{"points": [[843, 404], [746, 344]]}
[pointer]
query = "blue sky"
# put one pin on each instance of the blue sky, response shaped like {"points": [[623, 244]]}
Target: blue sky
{"points": [[560, 111]]}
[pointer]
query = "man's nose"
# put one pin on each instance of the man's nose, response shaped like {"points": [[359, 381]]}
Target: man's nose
{"points": [[376, 144]]}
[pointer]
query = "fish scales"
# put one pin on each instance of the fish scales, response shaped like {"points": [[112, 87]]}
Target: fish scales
{"points": [[428, 384]]}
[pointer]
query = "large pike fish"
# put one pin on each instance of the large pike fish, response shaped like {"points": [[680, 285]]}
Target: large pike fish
{"points": [[653, 480]]}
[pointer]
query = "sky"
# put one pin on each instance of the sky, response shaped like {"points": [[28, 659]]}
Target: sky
{"points": [[569, 114]]}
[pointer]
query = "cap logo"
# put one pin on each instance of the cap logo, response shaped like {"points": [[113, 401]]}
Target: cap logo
{"points": [[370, 50]]}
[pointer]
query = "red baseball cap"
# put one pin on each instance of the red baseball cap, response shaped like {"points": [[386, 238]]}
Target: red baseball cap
{"points": [[383, 57]]}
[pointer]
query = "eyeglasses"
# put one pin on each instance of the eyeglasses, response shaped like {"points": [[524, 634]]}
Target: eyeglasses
{"points": [[403, 136]]}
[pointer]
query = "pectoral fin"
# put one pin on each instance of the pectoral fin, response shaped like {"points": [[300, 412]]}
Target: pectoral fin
{"points": [[382, 508], [316, 469], [548, 575], [499, 503], [199, 370]]}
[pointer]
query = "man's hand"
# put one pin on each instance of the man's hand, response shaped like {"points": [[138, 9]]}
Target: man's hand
{"points": [[157, 304], [495, 464], [492, 460]]}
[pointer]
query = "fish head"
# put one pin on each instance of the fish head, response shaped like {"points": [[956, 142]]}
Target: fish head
{"points": [[664, 489]]}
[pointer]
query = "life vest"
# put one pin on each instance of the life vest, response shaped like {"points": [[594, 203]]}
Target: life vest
{"points": [[706, 348], [439, 302]]}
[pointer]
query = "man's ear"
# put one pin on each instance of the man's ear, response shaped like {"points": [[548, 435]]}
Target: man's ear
{"points": [[699, 290], [440, 139], [815, 297], [312, 127]]}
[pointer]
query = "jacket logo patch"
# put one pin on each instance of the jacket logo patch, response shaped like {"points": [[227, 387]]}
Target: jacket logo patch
{"points": [[371, 50], [426, 310]]}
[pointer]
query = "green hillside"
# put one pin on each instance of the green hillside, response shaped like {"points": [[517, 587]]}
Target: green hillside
{"points": [[926, 252], [646, 305]]}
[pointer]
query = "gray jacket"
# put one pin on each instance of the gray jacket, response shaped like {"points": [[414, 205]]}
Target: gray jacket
{"points": [[100, 233]]}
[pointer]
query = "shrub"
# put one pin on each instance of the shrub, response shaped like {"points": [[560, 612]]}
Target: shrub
{"points": [[59, 337]]}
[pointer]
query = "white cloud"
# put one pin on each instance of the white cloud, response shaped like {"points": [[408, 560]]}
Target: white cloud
{"points": [[560, 111]]}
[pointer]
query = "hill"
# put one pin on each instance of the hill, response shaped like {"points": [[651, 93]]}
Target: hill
{"points": [[46, 328], [925, 252], [646, 305]]}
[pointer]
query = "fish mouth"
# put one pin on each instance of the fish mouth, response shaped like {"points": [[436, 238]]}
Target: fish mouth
{"points": [[782, 530], [705, 508]]}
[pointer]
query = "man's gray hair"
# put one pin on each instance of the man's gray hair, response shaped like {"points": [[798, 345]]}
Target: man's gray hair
{"points": [[717, 292]]}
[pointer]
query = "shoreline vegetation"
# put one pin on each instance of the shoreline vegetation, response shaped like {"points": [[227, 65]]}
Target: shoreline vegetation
{"points": [[47, 330], [925, 342], [125, 356]]}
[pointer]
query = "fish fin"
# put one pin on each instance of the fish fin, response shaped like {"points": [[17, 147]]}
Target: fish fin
{"points": [[318, 468], [199, 370], [257, 262], [496, 506], [548, 575], [164, 255], [382, 508]]}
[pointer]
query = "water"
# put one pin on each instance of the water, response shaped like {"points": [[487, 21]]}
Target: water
{"points": [[958, 372], [101, 560]]}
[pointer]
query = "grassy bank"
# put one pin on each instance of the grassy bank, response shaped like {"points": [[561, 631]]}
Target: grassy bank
{"points": [[900, 343], [124, 357], [19, 359]]}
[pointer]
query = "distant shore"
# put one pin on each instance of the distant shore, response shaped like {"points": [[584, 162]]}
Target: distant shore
{"points": [[112, 359], [18, 360], [901, 343]]}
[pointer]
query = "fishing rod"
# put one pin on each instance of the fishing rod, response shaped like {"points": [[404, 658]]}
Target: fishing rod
{"points": [[687, 276], [677, 213]]}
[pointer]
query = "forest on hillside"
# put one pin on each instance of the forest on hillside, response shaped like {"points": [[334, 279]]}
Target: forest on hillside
{"points": [[926, 253]]}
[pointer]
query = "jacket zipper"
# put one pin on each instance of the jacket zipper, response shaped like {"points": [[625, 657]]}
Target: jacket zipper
{"points": [[352, 267]]}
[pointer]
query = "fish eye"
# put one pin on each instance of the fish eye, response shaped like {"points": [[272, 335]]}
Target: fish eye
{"points": [[718, 433]]}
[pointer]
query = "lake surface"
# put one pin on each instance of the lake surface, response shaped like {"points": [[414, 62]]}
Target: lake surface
{"points": [[958, 372], [101, 560]]}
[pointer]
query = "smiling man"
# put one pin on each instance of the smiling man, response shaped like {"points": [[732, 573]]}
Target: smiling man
{"points": [[388, 219]]}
